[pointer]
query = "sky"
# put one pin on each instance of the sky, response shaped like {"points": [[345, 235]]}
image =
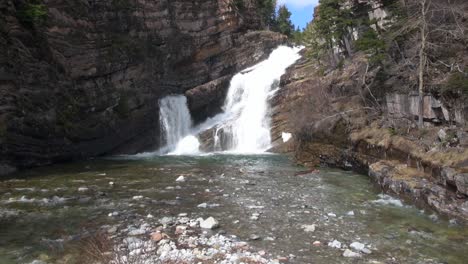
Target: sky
{"points": [[302, 10]]}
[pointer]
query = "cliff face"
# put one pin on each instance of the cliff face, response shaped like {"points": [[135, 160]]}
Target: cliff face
{"points": [[356, 103], [337, 121], [85, 79]]}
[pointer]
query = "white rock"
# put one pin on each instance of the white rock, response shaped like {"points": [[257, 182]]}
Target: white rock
{"points": [[350, 254], [366, 251], [209, 223], [442, 135], [286, 137], [111, 183], [137, 197], [137, 232], [357, 246], [149, 216], [202, 205], [180, 179], [335, 244], [83, 189], [350, 213], [331, 215], [309, 228], [166, 220], [113, 214]]}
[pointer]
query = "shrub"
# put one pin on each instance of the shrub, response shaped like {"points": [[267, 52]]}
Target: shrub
{"points": [[457, 82], [372, 45], [32, 13], [239, 4]]}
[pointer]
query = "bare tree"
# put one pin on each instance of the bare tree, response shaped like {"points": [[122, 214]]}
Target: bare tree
{"points": [[423, 27]]}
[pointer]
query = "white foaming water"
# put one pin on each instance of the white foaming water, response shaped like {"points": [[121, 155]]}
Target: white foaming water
{"points": [[244, 125], [248, 127], [176, 122], [189, 145]]}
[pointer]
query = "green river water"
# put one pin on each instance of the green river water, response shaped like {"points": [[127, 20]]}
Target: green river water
{"points": [[46, 212]]}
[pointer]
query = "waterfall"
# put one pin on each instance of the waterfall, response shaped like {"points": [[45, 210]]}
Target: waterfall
{"points": [[247, 128], [244, 125], [176, 123]]}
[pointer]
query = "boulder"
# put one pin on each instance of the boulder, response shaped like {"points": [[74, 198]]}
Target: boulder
{"points": [[209, 223], [461, 181]]}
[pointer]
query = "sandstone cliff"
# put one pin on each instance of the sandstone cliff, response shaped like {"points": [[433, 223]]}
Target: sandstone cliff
{"points": [[83, 78]]}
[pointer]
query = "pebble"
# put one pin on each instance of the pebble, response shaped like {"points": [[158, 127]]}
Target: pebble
{"points": [[137, 232], [111, 183], [366, 251], [331, 215], [180, 229], [209, 223], [254, 237], [149, 216], [166, 220], [350, 213], [335, 244], [137, 197], [83, 189], [317, 243], [357, 246], [180, 179], [112, 230], [350, 254], [158, 236], [309, 228], [113, 214]]}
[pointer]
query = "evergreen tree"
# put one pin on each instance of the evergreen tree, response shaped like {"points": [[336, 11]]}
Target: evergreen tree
{"points": [[297, 35], [267, 9], [284, 24]]}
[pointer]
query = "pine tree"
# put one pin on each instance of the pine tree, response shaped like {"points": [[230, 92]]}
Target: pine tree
{"points": [[267, 10], [284, 24]]}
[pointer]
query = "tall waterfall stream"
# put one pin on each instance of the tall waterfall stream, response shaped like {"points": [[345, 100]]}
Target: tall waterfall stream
{"points": [[244, 124], [264, 208]]}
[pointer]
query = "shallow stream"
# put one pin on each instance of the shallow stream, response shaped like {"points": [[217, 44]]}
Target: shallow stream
{"points": [[263, 199]]}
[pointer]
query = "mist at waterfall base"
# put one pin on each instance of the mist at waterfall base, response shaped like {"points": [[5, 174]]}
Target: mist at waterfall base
{"points": [[245, 121], [176, 125]]}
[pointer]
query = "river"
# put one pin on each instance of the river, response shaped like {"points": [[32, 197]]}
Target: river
{"points": [[47, 213]]}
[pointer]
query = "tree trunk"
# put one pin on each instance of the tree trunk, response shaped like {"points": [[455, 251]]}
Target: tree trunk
{"points": [[422, 62], [348, 46], [331, 54]]}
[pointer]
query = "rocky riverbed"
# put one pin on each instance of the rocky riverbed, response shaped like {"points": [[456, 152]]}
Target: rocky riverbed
{"points": [[214, 209]]}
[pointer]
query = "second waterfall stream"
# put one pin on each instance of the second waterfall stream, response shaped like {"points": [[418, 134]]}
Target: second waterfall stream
{"points": [[244, 124]]}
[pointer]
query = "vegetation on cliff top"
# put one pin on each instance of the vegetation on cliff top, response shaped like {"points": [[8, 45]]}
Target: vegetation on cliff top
{"points": [[32, 12], [273, 16], [423, 42]]}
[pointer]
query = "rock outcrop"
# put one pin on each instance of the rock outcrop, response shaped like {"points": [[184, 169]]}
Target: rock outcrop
{"points": [[83, 78], [337, 120]]}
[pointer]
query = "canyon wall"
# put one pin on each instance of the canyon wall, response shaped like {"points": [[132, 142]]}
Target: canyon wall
{"points": [[82, 78]]}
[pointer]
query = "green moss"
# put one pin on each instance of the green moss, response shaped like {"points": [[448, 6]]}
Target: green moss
{"points": [[457, 82], [34, 12]]}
